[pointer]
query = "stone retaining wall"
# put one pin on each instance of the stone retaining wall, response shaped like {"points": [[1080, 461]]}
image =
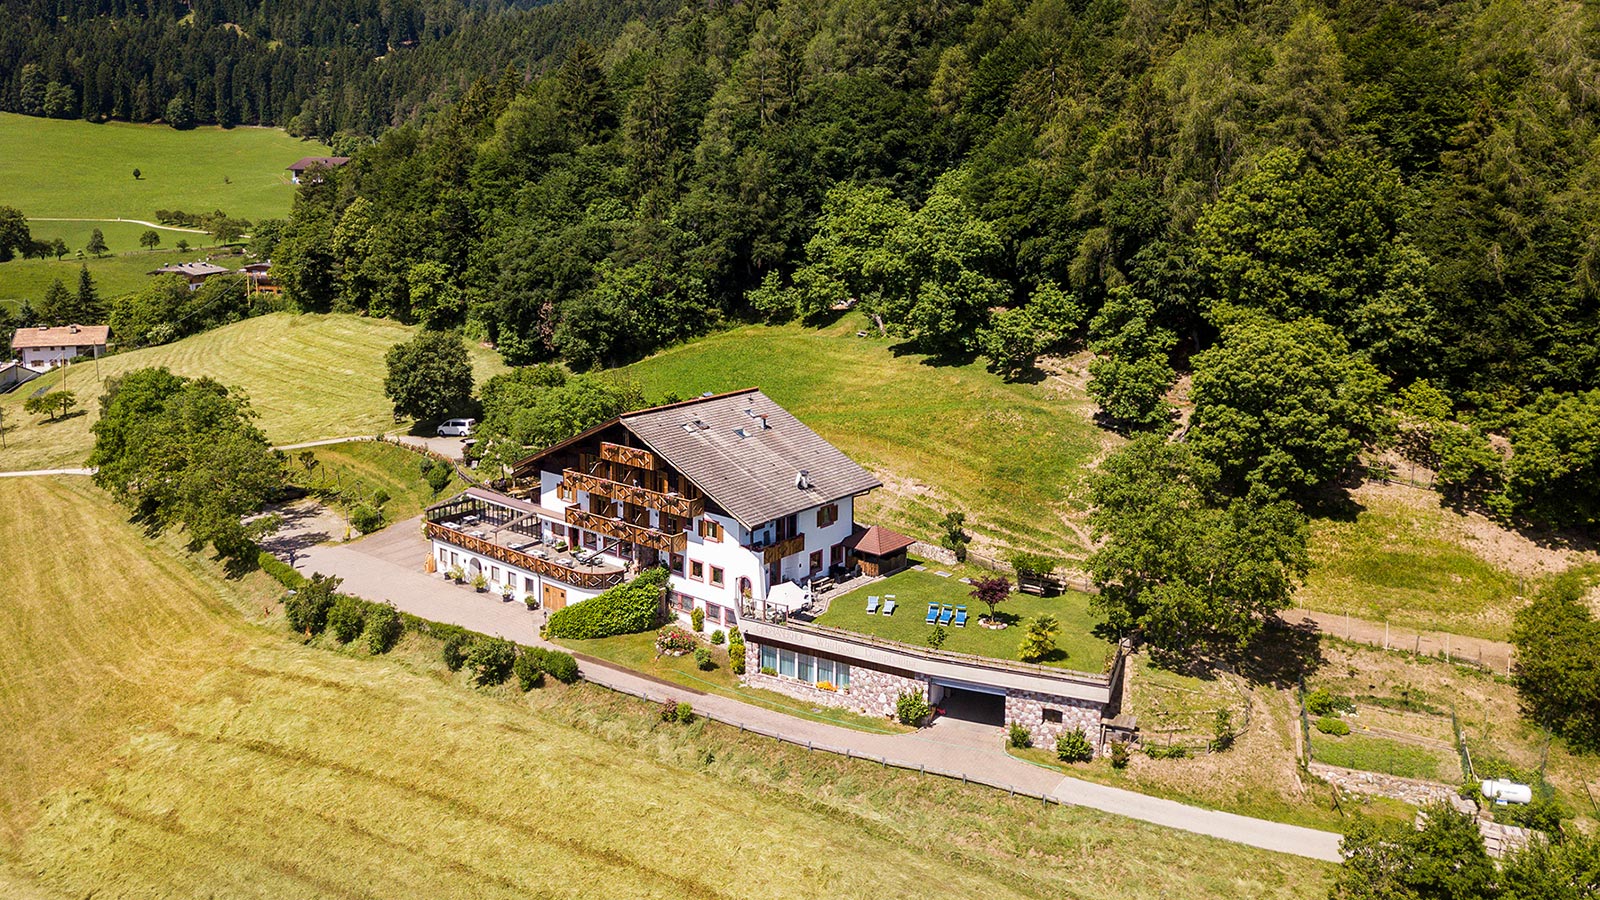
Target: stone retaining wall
{"points": [[1375, 784], [1027, 709], [871, 692]]}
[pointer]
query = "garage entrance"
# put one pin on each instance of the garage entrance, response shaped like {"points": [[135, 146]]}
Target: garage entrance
{"points": [[983, 707]]}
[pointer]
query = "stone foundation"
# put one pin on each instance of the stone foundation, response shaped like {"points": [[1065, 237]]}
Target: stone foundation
{"points": [[1028, 709], [871, 692]]}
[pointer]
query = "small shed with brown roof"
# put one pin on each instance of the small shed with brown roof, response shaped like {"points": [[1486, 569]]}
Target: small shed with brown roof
{"points": [[878, 550]]}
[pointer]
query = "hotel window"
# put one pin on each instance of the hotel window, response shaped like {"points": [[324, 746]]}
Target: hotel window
{"points": [[713, 613], [677, 563], [807, 668], [769, 657], [816, 560], [697, 570], [825, 671], [729, 616], [827, 515], [716, 576], [1053, 716], [561, 490], [494, 574], [786, 663], [710, 530], [841, 675], [591, 540], [685, 602]]}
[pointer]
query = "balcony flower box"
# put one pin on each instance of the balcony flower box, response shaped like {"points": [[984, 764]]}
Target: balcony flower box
{"points": [[826, 686]]}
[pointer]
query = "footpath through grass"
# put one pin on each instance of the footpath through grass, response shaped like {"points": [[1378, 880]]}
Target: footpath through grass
{"points": [[1078, 647], [158, 744], [310, 377], [1012, 456]]}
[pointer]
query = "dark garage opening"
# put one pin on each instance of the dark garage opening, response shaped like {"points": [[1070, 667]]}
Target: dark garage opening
{"points": [[973, 706]]}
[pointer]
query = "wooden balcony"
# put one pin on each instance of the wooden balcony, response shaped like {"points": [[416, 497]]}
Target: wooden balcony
{"points": [[627, 531], [672, 505], [628, 456], [591, 577], [775, 553]]}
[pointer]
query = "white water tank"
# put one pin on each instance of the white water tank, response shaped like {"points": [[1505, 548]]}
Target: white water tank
{"points": [[1504, 790]]}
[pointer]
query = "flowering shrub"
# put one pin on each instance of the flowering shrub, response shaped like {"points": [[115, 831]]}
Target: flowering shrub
{"points": [[676, 641], [826, 686]]}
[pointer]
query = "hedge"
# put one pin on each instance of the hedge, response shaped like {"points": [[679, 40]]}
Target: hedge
{"points": [[628, 608], [282, 571]]}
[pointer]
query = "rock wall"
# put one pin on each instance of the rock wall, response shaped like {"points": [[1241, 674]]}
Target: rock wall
{"points": [[871, 692], [1027, 709], [1410, 790]]}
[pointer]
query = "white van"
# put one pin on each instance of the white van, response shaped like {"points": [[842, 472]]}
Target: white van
{"points": [[456, 427]]}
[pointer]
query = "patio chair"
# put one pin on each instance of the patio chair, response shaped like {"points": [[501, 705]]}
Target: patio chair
{"points": [[933, 614], [888, 607], [961, 617], [872, 605], [945, 615]]}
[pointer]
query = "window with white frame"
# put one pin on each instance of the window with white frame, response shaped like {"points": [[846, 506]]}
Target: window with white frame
{"points": [[805, 667]]}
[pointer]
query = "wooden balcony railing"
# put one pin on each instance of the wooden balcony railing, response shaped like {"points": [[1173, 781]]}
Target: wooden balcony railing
{"points": [[774, 553], [628, 456], [548, 568], [682, 507], [627, 531]]}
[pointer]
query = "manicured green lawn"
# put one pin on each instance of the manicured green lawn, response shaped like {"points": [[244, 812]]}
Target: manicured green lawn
{"points": [[1079, 648], [1378, 754], [309, 377], [638, 652], [65, 168], [361, 467], [1012, 456]]}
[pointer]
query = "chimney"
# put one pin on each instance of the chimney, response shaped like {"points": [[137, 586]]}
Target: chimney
{"points": [[72, 329], [763, 418], [803, 480]]}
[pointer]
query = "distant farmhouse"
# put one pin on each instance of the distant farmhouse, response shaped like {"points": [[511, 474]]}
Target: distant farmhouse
{"points": [[298, 168], [193, 273], [750, 511], [45, 347]]}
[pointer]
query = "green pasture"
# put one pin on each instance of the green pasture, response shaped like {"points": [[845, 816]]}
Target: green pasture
{"points": [[114, 275]]}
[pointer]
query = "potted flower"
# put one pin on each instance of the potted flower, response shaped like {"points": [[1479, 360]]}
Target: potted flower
{"points": [[532, 601], [480, 582], [456, 574], [826, 686]]}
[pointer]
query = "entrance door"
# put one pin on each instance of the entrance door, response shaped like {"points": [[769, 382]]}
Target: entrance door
{"points": [[554, 597]]}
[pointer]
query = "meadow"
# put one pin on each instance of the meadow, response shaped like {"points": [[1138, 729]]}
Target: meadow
{"points": [[237, 762], [114, 275], [1012, 456], [309, 377], [360, 468]]}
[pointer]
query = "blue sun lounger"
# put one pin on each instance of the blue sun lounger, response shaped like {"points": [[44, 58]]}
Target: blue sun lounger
{"points": [[961, 617], [872, 605], [888, 606], [945, 615], [933, 614]]}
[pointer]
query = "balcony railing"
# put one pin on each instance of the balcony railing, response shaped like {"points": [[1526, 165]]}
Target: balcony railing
{"points": [[776, 553], [627, 531], [628, 456], [583, 578], [682, 507]]}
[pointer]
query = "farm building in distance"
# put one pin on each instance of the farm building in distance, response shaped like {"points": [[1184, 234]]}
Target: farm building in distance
{"points": [[299, 167], [748, 509], [45, 347], [193, 273]]}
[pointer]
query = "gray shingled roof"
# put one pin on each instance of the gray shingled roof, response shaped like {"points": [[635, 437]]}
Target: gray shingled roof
{"points": [[751, 475]]}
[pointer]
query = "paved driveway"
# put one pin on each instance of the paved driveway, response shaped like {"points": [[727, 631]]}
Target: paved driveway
{"points": [[388, 566]]}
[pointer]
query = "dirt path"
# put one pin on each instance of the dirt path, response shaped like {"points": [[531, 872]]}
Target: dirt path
{"points": [[1495, 656], [131, 221]]}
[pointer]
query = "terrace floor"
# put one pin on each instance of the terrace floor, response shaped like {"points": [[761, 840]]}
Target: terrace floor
{"points": [[1078, 646]]}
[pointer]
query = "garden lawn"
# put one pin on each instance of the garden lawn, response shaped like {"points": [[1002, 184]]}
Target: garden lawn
{"points": [[638, 652], [1410, 563], [359, 468], [1371, 753], [67, 168], [1079, 647], [157, 743], [1012, 456], [309, 377]]}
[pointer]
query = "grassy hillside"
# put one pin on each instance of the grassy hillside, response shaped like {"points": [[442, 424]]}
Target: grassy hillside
{"points": [[1012, 456], [65, 168], [309, 377], [361, 467], [120, 273], [252, 766]]}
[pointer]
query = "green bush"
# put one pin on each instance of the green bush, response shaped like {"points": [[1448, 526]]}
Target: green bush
{"points": [[685, 713], [1032, 563], [628, 608], [1321, 702], [669, 710], [491, 659], [380, 497], [439, 477], [936, 637], [697, 618], [366, 518], [280, 570], [1073, 747], [717, 637], [768, 670], [702, 659], [529, 668], [1019, 737], [346, 618], [307, 610], [1222, 735], [455, 650], [1332, 725], [736, 651], [1173, 751], [560, 666], [480, 582], [910, 708], [1119, 755], [383, 628]]}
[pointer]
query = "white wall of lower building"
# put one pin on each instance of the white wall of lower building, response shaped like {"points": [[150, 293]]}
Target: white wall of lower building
{"points": [[46, 357]]}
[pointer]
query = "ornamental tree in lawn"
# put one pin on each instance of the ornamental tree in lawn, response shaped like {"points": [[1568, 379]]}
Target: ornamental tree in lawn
{"points": [[430, 376], [991, 592]]}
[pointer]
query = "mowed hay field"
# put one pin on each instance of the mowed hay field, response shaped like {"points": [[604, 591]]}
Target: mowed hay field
{"points": [[1012, 456], [309, 377], [74, 169], [272, 769], [115, 275]]}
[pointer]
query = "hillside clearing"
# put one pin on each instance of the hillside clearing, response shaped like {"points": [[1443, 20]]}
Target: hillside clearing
{"points": [[264, 768], [309, 377], [115, 275]]}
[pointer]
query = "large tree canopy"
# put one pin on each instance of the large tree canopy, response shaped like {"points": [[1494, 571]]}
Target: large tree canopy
{"points": [[430, 376], [1558, 662]]}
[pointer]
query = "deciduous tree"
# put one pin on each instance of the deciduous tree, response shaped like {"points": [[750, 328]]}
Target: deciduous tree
{"points": [[429, 377]]}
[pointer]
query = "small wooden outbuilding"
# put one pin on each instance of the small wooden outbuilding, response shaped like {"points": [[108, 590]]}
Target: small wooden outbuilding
{"points": [[878, 550]]}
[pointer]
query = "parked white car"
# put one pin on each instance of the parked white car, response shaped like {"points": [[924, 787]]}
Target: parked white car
{"points": [[456, 427]]}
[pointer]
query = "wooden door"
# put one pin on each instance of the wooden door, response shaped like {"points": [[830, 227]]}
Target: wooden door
{"points": [[554, 597]]}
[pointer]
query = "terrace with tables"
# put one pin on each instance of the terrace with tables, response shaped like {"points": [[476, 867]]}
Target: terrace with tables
{"points": [[519, 533]]}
